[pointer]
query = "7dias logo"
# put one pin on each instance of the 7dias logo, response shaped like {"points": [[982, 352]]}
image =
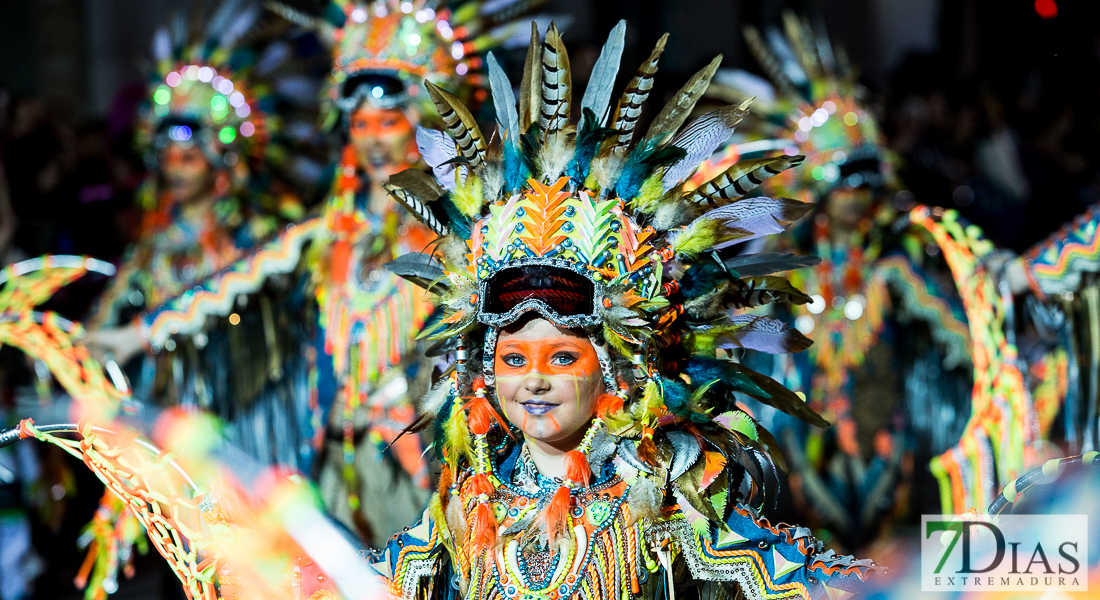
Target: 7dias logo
{"points": [[1005, 553]]}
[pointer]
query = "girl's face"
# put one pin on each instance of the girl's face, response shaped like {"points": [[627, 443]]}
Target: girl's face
{"points": [[548, 379]]}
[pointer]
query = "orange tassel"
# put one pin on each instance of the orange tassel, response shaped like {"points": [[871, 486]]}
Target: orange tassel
{"points": [[557, 514], [480, 484], [577, 468], [480, 418], [477, 384], [484, 534], [647, 450], [608, 404]]}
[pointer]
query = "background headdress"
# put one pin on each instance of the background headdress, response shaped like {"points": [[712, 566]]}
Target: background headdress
{"points": [[590, 225], [222, 82], [813, 93], [384, 50]]}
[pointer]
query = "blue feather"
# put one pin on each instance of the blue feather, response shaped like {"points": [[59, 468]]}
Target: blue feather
{"points": [[589, 136], [642, 162], [701, 278], [516, 169]]}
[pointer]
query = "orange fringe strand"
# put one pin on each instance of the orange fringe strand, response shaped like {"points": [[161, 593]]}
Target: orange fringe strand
{"points": [[577, 468], [484, 534], [557, 514], [607, 405]]}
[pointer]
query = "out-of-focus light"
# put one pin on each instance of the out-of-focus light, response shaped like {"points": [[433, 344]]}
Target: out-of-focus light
{"points": [[805, 324], [457, 51], [191, 73], [414, 39], [244, 110], [173, 79], [359, 15], [461, 69], [406, 7], [791, 150], [801, 136], [162, 96], [816, 305], [1047, 9], [853, 309], [206, 74], [227, 135], [850, 119], [236, 99], [234, 319], [380, 10], [219, 104], [830, 106], [805, 124], [225, 86], [840, 156], [180, 133], [819, 117], [248, 129], [377, 91]]}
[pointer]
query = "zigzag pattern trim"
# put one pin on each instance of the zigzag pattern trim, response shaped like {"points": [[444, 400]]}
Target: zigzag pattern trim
{"points": [[186, 314], [1055, 265]]}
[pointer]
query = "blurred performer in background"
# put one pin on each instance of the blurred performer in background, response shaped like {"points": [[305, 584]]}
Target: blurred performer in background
{"points": [[387, 55], [219, 186], [890, 363]]}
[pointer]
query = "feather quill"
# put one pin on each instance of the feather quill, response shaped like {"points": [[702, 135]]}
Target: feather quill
{"points": [[504, 101], [557, 83], [597, 95], [763, 334], [530, 87], [673, 115], [701, 139], [742, 178], [460, 124], [420, 268], [636, 93]]}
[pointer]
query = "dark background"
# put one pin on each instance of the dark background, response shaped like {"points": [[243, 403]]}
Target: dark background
{"points": [[991, 107]]}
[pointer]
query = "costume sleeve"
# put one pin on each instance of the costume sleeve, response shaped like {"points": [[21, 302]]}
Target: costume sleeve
{"points": [[769, 561], [409, 557], [1055, 265], [216, 296]]}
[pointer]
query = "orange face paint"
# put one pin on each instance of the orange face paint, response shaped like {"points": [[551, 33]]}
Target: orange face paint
{"points": [[547, 357]]}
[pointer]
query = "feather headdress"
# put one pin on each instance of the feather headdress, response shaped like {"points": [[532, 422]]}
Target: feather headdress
{"points": [[814, 97], [217, 78], [590, 226]]}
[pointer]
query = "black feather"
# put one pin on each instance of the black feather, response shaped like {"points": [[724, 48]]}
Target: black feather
{"points": [[701, 278], [420, 268], [459, 223], [753, 265]]}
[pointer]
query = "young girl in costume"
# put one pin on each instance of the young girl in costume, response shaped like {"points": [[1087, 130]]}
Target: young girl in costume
{"points": [[590, 443]]}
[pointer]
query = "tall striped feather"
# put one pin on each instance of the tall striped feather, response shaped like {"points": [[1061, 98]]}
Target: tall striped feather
{"points": [[673, 115], [417, 207], [530, 87], [597, 95], [771, 65], [459, 123], [636, 93], [557, 84], [742, 178]]}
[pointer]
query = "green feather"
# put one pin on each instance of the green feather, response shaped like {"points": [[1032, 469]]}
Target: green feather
{"points": [[702, 235], [468, 198], [650, 194]]}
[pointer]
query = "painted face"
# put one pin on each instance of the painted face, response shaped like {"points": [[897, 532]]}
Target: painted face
{"points": [[188, 176], [383, 139], [548, 379], [847, 207]]}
